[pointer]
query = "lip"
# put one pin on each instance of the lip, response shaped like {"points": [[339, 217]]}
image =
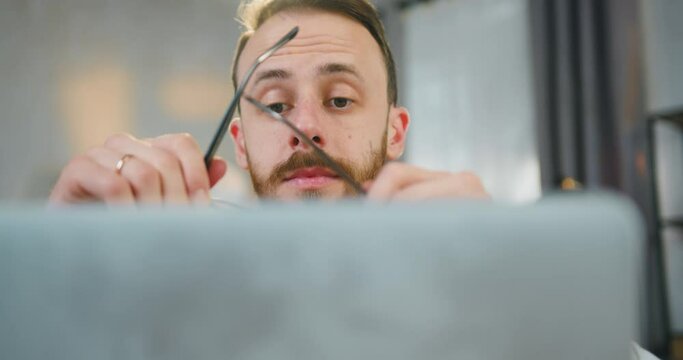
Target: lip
{"points": [[311, 177]]}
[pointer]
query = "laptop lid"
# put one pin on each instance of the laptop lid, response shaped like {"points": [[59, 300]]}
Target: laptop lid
{"points": [[552, 280]]}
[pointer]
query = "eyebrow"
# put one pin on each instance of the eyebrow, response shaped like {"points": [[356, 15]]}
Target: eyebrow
{"points": [[324, 70], [337, 68], [279, 74]]}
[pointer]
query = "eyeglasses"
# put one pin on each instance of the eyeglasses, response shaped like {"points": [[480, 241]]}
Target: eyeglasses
{"points": [[223, 127], [317, 150], [220, 134]]}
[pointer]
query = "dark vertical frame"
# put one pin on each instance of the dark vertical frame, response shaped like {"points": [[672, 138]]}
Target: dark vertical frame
{"points": [[576, 129], [592, 124], [673, 116], [545, 60]]}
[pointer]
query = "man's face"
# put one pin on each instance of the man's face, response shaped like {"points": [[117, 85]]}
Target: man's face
{"points": [[330, 82]]}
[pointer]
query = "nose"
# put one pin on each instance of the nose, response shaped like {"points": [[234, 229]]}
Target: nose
{"points": [[307, 118]]}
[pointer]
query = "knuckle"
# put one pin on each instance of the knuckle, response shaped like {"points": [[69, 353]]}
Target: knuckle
{"points": [[96, 153], [472, 183], [92, 152], [187, 136], [76, 165], [184, 142], [116, 139]]}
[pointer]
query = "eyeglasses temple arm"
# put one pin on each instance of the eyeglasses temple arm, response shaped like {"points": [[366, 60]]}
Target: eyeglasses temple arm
{"points": [[326, 158], [225, 123]]}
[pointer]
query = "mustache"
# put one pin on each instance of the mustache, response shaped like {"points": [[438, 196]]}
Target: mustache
{"points": [[302, 160]]}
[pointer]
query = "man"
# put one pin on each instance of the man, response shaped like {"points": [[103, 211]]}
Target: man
{"points": [[336, 81]]}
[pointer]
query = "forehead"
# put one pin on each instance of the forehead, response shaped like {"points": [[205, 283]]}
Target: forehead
{"points": [[323, 36]]}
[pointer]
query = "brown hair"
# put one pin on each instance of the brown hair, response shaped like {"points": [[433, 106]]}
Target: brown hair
{"points": [[253, 13]]}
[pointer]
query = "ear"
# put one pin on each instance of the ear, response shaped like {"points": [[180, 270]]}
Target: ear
{"points": [[237, 134], [399, 120]]}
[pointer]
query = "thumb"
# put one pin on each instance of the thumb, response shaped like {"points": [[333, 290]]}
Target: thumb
{"points": [[217, 170]]}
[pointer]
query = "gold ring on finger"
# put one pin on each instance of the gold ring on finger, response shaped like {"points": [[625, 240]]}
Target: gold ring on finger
{"points": [[119, 165]]}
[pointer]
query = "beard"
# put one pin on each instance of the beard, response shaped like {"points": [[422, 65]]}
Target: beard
{"points": [[267, 186]]}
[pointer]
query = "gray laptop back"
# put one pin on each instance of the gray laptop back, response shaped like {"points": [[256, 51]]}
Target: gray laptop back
{"points": [[554, 280]]}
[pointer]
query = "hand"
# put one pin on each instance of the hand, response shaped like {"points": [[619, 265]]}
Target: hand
{"points": [[166, 169], [397, 181]]}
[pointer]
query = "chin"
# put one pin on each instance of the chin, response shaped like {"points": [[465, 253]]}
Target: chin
{"points": [[325, 193]]}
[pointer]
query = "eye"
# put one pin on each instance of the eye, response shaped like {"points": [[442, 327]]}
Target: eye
{"points": [[340, 103], [279, 107]]}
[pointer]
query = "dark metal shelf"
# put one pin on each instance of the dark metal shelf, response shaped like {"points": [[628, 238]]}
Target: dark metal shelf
{"points": [[673, 115], [671, 222]]}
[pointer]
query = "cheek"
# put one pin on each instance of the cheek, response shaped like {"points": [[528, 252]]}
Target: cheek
{"points": [[264, 145], [358, 142]]}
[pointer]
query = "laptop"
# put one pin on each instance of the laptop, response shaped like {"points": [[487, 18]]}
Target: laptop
{"points": [[556, 279]]}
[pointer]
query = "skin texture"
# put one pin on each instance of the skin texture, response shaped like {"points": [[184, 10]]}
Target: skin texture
{"points": [[333, 61], [167, 169], [331, 82]]}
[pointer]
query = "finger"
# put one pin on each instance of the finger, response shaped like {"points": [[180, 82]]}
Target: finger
{"points": [[186, 149], [84, 180], [167, 165], [217, 170], [449, 187], [396, 176], [143, 177]]}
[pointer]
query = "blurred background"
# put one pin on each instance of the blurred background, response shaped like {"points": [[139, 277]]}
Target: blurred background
{"points": [[535, 96]]}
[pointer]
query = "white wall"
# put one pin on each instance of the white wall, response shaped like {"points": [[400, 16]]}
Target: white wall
{"points": [[75, 70], [468, 84], [663, 53]]}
